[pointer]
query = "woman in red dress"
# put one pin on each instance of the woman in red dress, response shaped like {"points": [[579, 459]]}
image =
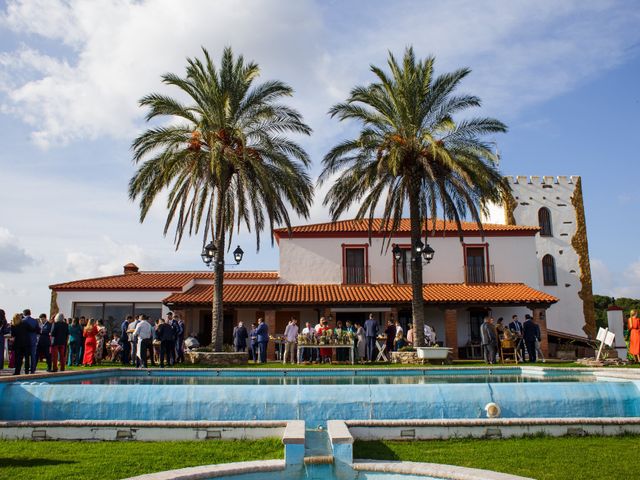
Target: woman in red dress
{"points": [[325, 353], [634, 335], [90, 343]]}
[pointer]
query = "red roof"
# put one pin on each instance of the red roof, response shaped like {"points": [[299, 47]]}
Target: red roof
{"points": [[156, 280], [335, 294], [361, 228]]}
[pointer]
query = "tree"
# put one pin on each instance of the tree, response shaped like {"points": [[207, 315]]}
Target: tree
{"points": [[224, 157], [410, 150]]}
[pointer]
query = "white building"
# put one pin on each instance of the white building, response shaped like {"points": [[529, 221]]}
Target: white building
{"points": [[335, 269], [555, 204]]}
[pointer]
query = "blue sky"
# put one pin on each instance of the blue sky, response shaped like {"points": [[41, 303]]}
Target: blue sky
{"points": [[562, 75]]}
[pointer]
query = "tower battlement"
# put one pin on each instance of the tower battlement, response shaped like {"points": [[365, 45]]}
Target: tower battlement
{"points": [[542, 180]]}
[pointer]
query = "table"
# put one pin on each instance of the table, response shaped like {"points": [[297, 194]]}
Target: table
{"points": [[332, 347]]}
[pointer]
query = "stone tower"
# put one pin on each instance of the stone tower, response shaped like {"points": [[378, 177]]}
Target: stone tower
{"points": [[555, 204]]}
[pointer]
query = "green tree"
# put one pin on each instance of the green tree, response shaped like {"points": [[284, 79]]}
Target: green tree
{"points": [[224, 156], [411, 150]]}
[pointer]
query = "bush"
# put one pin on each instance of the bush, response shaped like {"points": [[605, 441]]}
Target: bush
{"points": [[408, 348]]}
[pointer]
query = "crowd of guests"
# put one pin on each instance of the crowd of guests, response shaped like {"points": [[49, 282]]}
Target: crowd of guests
{"points": [[62, 342], [364, 337], [525, 338]]}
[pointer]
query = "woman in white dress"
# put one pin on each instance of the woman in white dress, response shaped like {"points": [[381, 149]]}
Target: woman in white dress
{"points": [[361, 345]]}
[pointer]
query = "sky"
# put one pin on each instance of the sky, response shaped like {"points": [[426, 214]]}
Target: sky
{"points": [[562, 75]]}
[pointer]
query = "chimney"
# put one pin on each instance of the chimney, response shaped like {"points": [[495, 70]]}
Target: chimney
{"points": [[130, 269]]}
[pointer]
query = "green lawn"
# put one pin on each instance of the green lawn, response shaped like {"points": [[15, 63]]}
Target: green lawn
{"points": [[543, 458], [27, 460]]}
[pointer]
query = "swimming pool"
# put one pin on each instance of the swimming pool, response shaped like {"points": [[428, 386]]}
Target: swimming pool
{"points": [[317, 395]]}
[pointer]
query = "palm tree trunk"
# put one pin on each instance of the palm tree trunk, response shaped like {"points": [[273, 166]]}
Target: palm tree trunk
{"points": [[417, 299], [217, 311]]}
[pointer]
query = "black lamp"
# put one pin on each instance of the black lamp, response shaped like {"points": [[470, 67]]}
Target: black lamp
{"points": [[208, 253], [428, 253], [237, 254], [397, 252]]}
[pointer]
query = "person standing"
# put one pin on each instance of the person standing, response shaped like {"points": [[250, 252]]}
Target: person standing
{"points": [[75, 341], [240, 336], [516, 328], [390, 332], [531, 334], [166, 336], [124, 340], [253, 343], [5, 329], [144, 334], [33, 328], [634, 335], [262, 338], [371, 333], [179, 328], [489, 340], [59, 338], [100, 341], [307, 331], [21, 345], [44, 340], [410, 335], [90, 333], [291, 341], [361, 343]]}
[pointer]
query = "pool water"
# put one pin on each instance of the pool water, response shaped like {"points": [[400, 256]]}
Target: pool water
{"points": [[317, 395], [282, 378]]}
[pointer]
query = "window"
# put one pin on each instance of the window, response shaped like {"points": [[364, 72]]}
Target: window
{"points": [[88, 310], [114, 313], [549, 270], [354, 264], [152, 310], [475, 265], [402, 267], [544, 220]]}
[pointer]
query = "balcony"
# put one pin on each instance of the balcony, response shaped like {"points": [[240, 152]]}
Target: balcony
{"points": [[355, 275], [474, 274]]}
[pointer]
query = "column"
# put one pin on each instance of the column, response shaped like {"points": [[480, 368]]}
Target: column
{"points": [[270, 320], [540, 317], [451, 331]]}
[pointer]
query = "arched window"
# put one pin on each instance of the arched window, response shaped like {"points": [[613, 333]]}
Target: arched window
{"points": [[544, 220], [549, 270]]}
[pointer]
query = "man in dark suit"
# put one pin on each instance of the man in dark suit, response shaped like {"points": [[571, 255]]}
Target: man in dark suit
{"points": [[516, 328], [44, 341], [124, 340], [240, 336], [531, 333], [33, 328], [370, 333], [262, 336]]}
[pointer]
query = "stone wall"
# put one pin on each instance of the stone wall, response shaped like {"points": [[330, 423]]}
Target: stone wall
{"points": [[217, 358]]}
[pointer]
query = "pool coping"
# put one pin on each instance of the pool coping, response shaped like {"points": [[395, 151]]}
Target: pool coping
{"points": [[212, 471], [600, 373], [437, 470]]}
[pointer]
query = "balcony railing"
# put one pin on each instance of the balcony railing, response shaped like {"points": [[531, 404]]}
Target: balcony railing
{"points": [[356, 275], [479, 274]]}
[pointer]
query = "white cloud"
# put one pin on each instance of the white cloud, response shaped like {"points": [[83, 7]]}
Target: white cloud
{"points": [[522, 53], [625, 283], [13, 258]]}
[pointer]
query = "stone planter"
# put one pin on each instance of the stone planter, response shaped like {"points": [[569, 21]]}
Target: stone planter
{"points": [[566, 354], [217, 358], [437, 354], [404, 357]]}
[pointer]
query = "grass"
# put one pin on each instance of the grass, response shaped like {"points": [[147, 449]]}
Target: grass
{"points": [[28, 460], [543, 458]]}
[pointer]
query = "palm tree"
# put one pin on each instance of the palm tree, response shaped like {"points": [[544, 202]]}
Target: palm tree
{"points": [[411, 150], [224, 158]]}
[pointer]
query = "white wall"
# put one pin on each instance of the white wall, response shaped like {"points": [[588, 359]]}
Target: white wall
{"points": [[319, 260], [554, 193]]}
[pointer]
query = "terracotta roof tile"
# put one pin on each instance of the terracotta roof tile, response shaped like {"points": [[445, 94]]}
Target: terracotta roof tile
{"points": [[284, 294], [156, 280], [362, 226]]}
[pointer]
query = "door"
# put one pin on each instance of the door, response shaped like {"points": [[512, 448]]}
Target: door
{"points": [[282, 319], [475, 265]]}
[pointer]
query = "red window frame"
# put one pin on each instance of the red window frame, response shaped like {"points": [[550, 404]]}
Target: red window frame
{"points": [[347, 246]]}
